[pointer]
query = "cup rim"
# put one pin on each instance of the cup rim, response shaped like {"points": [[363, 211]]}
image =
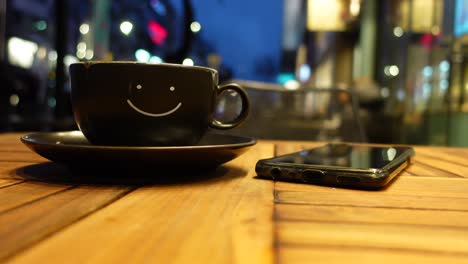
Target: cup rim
{"points": [[88, 64]]}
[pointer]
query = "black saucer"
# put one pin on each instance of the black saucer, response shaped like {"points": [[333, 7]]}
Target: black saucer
{"points": [[72, 148]]}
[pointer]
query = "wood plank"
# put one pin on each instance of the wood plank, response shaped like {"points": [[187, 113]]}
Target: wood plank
{"points": [[29, 224], [440, 165], [14, 147], [339, 255], [21, 157], [420, 169], [9, 138], [436, 240], [11, 142], [8, 182], [454, 151], [352, 214], [25, 192], [252, 219], [8, 170], [403, 185], [224, 219], [309, 213], [405, 192], [455, 156], [367, 200]]}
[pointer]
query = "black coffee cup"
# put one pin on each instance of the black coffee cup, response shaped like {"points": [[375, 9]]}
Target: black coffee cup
{"points": [[141, 104]]}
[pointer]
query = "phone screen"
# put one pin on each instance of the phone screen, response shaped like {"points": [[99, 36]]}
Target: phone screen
{"points": [[343, 155]]}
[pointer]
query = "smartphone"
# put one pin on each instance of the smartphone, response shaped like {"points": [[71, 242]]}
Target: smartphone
{"points": [[346, 165]]}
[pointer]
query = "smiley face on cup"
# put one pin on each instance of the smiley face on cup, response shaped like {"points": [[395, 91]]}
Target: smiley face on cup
{"points": [[139, 104], [140, 92]]}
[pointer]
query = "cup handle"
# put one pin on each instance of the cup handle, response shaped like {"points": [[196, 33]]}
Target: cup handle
{"points": [[245, 106]]}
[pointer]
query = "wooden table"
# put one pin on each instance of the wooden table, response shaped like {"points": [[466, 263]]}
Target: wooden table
{"points": [[228, 216]]}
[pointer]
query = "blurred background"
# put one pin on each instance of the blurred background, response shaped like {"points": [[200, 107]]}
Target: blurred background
{"points": [[386, 71]]}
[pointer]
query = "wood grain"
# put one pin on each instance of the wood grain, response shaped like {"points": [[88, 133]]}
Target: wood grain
{"points": [[453, 151], [21, 157], [13, 147], [25, 192], [421, 169], [404, 185], [8, 182], [455, 156], [229, 216], [370, 215], [441, 166], [26, 225], [8, 169], [222, 220], [11, 138], [414, 238], [339, 255], [406, 192], [252, 221], [420, 218]]}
